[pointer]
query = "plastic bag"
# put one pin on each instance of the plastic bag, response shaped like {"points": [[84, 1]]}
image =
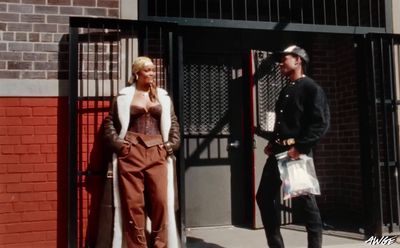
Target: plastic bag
{"points": [[298, 176]]}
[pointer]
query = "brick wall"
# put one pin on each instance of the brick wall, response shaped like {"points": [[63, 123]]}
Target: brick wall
{"points": [[33, 130], [33, 41], [338, 155], [33, 163]]}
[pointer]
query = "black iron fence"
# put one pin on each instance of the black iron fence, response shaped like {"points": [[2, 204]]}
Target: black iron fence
{"points": [[342, 13], [380, 132]]}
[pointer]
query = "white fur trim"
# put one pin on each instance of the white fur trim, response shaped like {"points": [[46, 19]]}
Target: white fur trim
{"points": [[165, 102], [124, 100], [117, 237], [173, 238]]}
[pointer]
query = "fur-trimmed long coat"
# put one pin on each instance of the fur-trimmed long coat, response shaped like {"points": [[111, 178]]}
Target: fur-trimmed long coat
{"points": [[115, 127]]}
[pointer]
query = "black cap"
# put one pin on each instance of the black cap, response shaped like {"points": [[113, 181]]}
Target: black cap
{"points": [[294, 50]]}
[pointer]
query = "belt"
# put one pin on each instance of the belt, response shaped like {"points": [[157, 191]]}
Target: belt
{"points": [[148, 140], [286, 142]]}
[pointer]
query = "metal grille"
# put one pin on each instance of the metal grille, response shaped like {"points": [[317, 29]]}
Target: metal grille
{"points": [[269, 82], [205, 98], [101, 54], [362, 13], [382, 122], [106, 55]]}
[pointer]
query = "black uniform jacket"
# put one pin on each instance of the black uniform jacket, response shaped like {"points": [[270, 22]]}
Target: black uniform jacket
{"points": [[302, 114]]}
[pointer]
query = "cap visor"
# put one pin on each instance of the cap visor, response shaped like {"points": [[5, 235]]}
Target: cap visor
{"points": [[277, 56]]}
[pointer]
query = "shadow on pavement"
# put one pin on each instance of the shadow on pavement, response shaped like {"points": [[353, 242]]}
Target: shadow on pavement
{"points": [[200, 243]]}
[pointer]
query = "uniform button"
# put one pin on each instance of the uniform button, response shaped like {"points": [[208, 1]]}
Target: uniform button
{"points": [[281, 110], [287, 96], [292, 83]]}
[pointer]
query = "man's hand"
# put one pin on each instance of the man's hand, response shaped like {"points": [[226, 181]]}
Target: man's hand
{"points": [[293, 153], [268, 149]]}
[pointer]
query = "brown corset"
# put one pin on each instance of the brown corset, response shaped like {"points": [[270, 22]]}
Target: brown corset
{"points": [[145, 122]]}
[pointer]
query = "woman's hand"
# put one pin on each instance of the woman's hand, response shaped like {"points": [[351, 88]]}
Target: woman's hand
{"points": [[168, 148], [125, 149]]}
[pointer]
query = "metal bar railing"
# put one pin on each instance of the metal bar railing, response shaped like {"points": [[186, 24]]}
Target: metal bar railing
{"points": [[396, 79], [360, 13], [370, 12], [375, 142], [72, 140], [385, 138], [384, 130]]}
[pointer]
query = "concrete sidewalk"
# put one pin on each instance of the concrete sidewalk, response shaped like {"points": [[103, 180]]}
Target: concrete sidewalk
{"points": [[234, 237]]}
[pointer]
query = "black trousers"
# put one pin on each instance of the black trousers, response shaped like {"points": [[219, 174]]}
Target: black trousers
{"points": [[268, 199]]}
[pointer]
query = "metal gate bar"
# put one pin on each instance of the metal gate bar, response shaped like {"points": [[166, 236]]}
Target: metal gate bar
{"points": [[381, 134], [367, 13]]}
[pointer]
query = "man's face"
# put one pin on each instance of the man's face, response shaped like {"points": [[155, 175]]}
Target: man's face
{"points": [[289, 63]]}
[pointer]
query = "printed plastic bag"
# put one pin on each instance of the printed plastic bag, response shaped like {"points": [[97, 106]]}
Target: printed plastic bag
{"points": [[298, 176]]}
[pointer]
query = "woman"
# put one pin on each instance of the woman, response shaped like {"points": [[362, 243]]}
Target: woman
{"points": [[143, 132]]}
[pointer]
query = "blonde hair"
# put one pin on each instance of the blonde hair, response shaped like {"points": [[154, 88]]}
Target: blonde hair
{"points": [[138, 64]]}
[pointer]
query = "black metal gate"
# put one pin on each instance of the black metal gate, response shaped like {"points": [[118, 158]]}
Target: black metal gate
{"points": [[379, 126], [101, 54]]}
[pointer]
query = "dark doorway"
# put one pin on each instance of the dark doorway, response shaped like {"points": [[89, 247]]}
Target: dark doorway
{"points": [[217, 173]]}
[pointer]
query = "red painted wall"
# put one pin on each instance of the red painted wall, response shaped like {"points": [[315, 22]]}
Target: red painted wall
{"points": [[33, 171]]}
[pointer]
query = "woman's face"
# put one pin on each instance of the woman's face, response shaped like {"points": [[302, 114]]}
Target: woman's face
{"points": [[147, 74]]}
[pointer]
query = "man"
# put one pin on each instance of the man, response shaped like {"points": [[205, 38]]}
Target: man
{"points": [[302, 118]]}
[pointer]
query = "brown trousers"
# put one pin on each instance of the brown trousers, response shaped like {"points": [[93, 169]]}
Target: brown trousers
{"points": [[143, 187]]}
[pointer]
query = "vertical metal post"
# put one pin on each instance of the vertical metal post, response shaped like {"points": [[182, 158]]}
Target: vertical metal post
{"points": [[389, 16], [72, 138], [181, 158], [175, 86], [220, 9], [143, 11], [171, 62], [394, 134], [370, 13], [245, 10], [396, 80], [232, 11], [370, 167], [336, 11], [313, 11], [376, 155], [278, 11], [378, 9], [358, 12], [347, 13]]}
